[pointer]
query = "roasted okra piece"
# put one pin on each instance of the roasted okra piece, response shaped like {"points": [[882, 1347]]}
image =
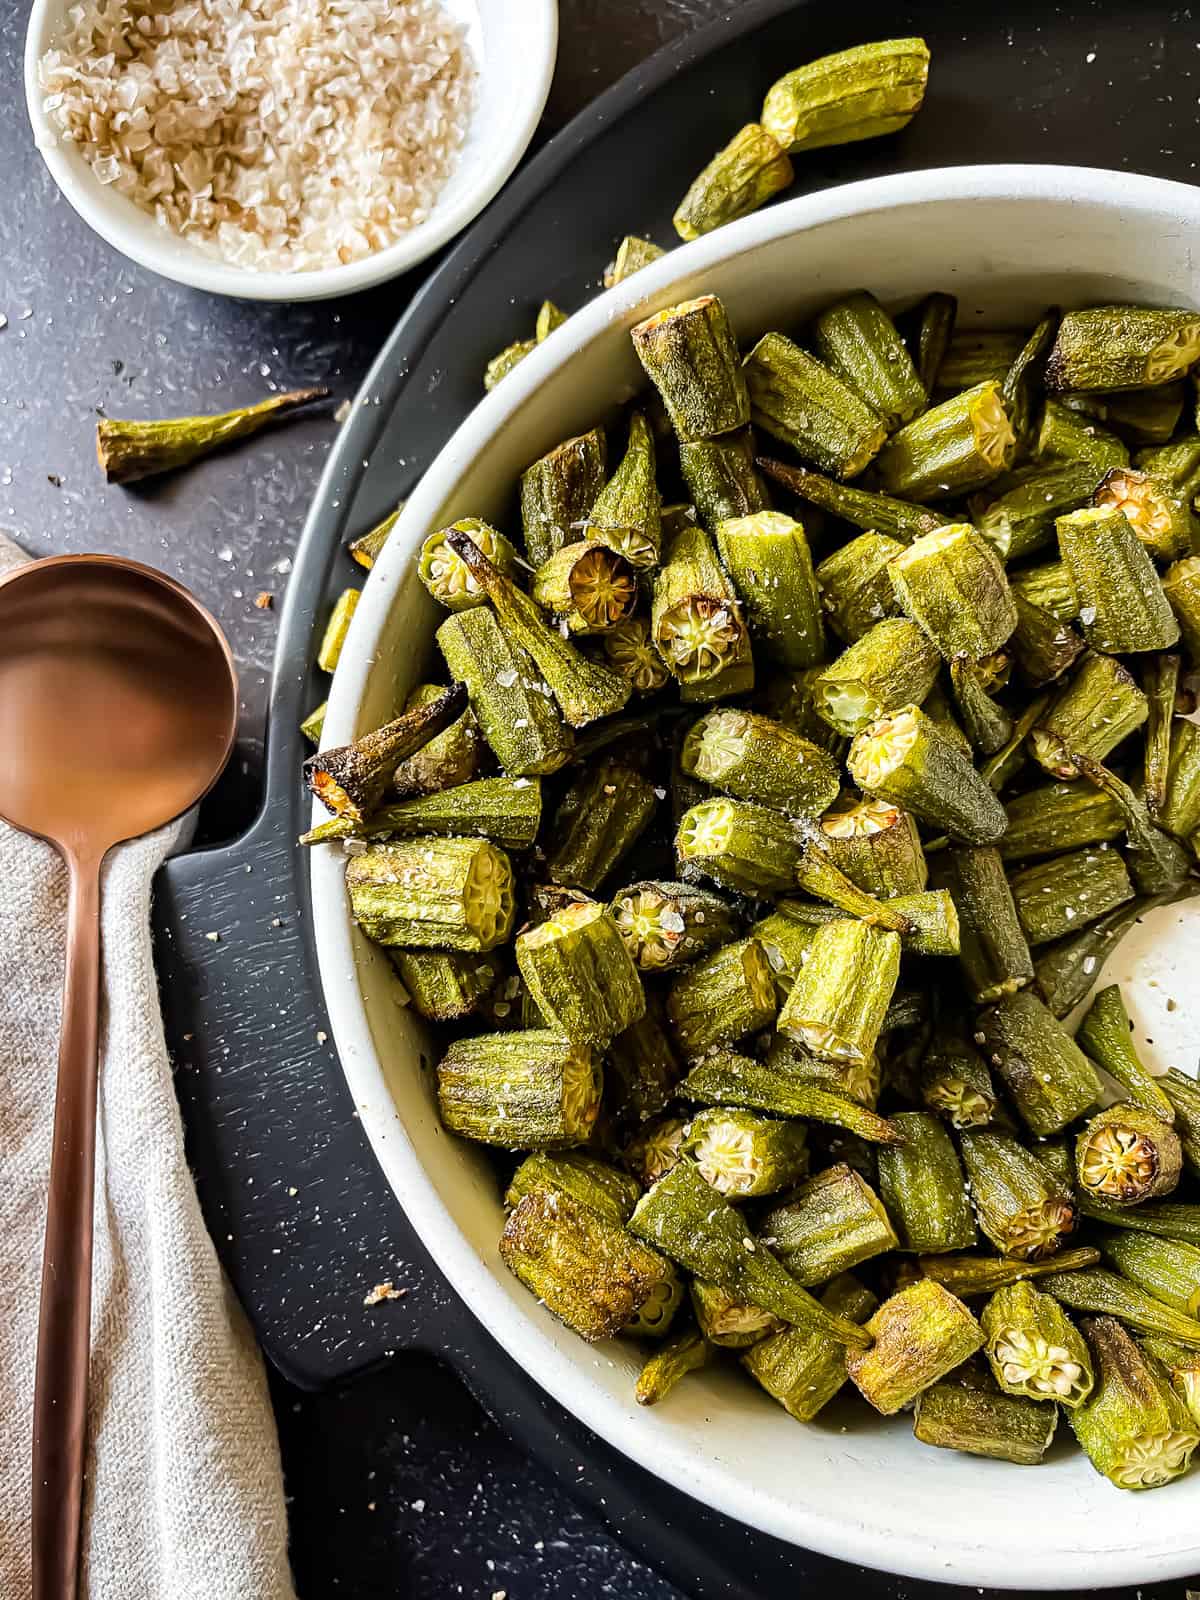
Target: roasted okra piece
{"points": [[1043, 646], [1179, 812], [520, 1091], [992, 946], [1157, 863], [128, 451], [881, 513], [877, 846], [930, 330], [750, 169], [971, 1275], [1067, 971], [628, 648], [978, 355], [633, 253], [445, 985], [1126, 1155], [1034, 1348], [786, 941], [587, 586], [1122, 347], [667, 925], [920, 1335], [1122, 607], [627, 512], [1160, 681], [1184, 1094], [1106, 1034], [729, 1323], [1168, 1269], [961, 1416], [506, 361], [721, 477], [1146, 416], [584, 1267], [903, 758], [697, 622], [1181, 585], [803, 1368], [742, 846], [840, 997], [1177, 465], [1021, 520], [1058, 896], [683, 1216], [580, 974], [368, 547], [447, 577], [583, 1178], [1134, 1428], [855, 588], [657, 1146], [952, 585], [726, 1079], [767, 558], [1047, 585], [950, 449], [1020, 1205], [754, 758], [683, 1353], [921, 1184], [558, 491], [1092, 1289], [351, 780], [601, 817], [506, 811], [642, 1068], [448, 760], [431, 893], [1023, 381], [1162, 519], [314, 723], [690, 354], [549, 317], [330, 649], [954, 1082], [860, 93], [927, 923], [857, 339], [891, 666], [1093, 712], [519, 722], [796, 398], [744, 1153], [1182, 1369], [723, 997], [1049, 1078], [860, 1081], [832, 1222], [1067, 435], [986, 723]]}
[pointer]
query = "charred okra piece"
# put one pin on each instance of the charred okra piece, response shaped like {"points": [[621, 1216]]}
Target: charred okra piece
{"points": [[520, 1091], [1182, 1369], [891, 666], [584, 1267], [506, 811], [506, 361], [953, 1081], [1020, 1205], [683, 1216], [433, 894], [1092, 1289], [987, 725], [952, 585], [684, 1353], [601, 818], [742, 846], [803, 1368], [753, 758], [519, 722], [449, 759], [1066, 971], [1122, 607], [833, 1222], [971, 1275], [314, 722], [855, 588], [558, 491], [881, 513], [1180, 809], [1106, 1034], [1050, 1079], [903, 758], [666, 925], [876, 844], [633, 253], [858, 341], [330, 650], [351, 780], [1122, 347], [920, 1335], [1125, 1155], [690, 354], [626, 514], [1184, 1094], [744, 1154], [697, 622], [840, 997], [1181, 585], [959, 1416], [580, 974], [368, 547], [1134, 1428], [587, 586], [1022, 519], [1058, 896], [444, 985], [751, 169], [657, 1147], [992, 946], [129, 451], [642, 1068], [448, 578], [722, 998], [921, 1183], [1165, 1268], [1163, 520], [859, 93], [1022, 381], [767, 558], [1157, 863], [1100, 706], [721, 477], [796, 398], [951, 449], [733, 1080], [628, 649], [730, 1323], [1034, 1348], [582, 1178]]}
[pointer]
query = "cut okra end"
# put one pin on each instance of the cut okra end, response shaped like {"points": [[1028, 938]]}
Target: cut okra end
{"points": [[1034, 1348], [1126, 1155], [580, 974], [446, 575], [744, 1153]]}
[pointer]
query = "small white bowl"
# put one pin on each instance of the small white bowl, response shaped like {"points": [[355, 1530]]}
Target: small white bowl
{"points": [[514, 46]]}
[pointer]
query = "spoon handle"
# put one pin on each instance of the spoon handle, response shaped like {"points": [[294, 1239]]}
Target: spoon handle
{"points": [[60, 1394]]}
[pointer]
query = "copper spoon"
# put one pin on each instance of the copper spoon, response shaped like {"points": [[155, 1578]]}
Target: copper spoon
{"points": [[118, 709]]}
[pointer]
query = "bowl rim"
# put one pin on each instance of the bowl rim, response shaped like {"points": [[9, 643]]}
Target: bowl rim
{"points": [[900, 1549], [192, 269]]}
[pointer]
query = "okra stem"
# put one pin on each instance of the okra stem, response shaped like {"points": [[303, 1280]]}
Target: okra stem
{"points": [[881, 513], [1106, 1034], [351, 780], [128, 451]]}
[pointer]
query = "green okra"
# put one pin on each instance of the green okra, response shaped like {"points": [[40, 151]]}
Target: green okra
{"points": [[1160, 683], [1145, 416], [999, 770], [891, 666], [1066, 972], [767, 558], [641, 1067], [972, 1275], [1106, 1034], [919, 1336], [1177, 465], [921, 1184], [580, 974], [803, 1368], [689, 353], [627, 512], [751, 169], [519, 722], [744, 847], [1157, 863], [628, 648], [840, 996], [1121, 347], [1180, 1366], [993, 950], [582, 1177], [788, 697], [558, 491], [855, 588], [506, 361], [1059, 895], [447, 577], [832, 1222], [858, 341], [1165, 1268], [986, 723], [877, 846], [786, 941], [957, 1416], [657, 1147], [1134, 1428], [351, 780], [128, 451], [721, 998], [728, 1323], [953, 587], [860, 1081], [936, 706], [1179, 812], [862, 508], [667, 925], [633, 253], [445, 985], [683, 1353], [931, 328], [1181, 585], [1033, 1347], [978, 355], [721, 477], [696, 621], [953, 1081], [506, 811], [1162, 519], [653, 1318], [1023, 381], [314, 722], [1067, 435], [904, 758], [581, 1265], [684, 1217], [601, 817], [931, 929], [1021, 521], [796, 398], [549, 318], [450, 758], [521, 1091], [433, 894], [330, 649], [1020, 1206], [1049, 1078], [587, 587], [950, 449], [1099, 1292], [860, 93], [733, 1080], [368, 547], [744, 1154], [584, 690], [1043, 646], [1047, 585], [1093, 712], [1122, 607], [753, 758], [1126, 1155]]}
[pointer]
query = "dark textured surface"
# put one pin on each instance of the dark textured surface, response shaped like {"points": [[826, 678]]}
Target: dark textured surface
{"points": [[400, 1485]]}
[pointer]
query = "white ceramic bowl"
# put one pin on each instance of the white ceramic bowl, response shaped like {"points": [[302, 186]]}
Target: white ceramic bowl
{"points": [[1008, 241], [514, 46]]}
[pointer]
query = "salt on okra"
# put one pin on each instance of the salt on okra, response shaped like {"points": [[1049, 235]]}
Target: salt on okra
{"points": [[724, 1078], [689, 353], [922, 1186], [1051, 1081], [641, 1067], [892, 665], [696, 620], [450, 758], [728, 1323], [857, 339], [754, 758], [1020, 1206], [971, 1275], [854, 586], [580, 974], [558, 491], [952, 448], [919, 1336], [832, 1222], [1121, 347], [445, 985], [721, 477], [742, 846], [530, 1090], [1057, 896], [903, 758], [796, 398], [586, 1179], [767, 558], [840, 996], [1097, 708], [433, 893], [953, 587], [628, 648], [519, 722], [1122, 606]]}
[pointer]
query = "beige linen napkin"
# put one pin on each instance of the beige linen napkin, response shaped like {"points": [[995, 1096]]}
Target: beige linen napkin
{"points": [[184, 1490]]}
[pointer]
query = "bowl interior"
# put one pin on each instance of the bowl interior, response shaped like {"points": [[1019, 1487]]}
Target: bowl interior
{"points": [[1008, 242], [514, 51]]}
